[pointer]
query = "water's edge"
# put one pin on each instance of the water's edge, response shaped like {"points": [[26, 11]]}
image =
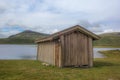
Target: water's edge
{"points": [[29, 52]]}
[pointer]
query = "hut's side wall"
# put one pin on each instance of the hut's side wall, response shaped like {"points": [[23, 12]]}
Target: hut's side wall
{"points": [[46, 52], [77, 50]]}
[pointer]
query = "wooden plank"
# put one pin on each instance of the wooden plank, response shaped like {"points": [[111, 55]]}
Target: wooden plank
{"points": [[62, 50], [78, 49], [90, 53], [59, 55], [72, 52], [86, 51], [66, 49], [37, 51], [68, 54], [82, 49], [56, 54], [75, 49], [39, 54]]}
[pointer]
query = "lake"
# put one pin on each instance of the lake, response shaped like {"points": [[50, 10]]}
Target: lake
{"points": [[30, 52]]}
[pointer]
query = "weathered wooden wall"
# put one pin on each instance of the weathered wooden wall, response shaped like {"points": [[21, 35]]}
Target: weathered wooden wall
{"points": [[46, 52], [77, 50], [73, 49]]}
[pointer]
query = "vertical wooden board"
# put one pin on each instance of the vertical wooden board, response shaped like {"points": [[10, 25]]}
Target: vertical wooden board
{"points": [[59, 55], [75, 48], [78, 49], [79, 46], [70, 49], [68, 52], [90, 53], [42, 53], [73, 56], [65, 49], [39, 52], [82, 49], [86, 51], [82, 46], [47, 53], [68, 56], [56, 54], [67, 46], [72, 52], [62, 50], [52, 56]]}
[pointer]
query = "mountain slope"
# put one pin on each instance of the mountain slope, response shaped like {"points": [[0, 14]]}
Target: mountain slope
{"points": [[111, 34], [25, 37], [108, 39], [28, 35]]}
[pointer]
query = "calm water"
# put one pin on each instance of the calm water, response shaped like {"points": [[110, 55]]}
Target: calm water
{"points": [[18, 51], [30, 52]]}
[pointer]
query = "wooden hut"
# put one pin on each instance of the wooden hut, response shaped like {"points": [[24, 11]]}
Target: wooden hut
{"points": [[70, 47]]}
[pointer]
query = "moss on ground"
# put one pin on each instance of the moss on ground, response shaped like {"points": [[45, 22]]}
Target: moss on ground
{"points": [[104, 69]]}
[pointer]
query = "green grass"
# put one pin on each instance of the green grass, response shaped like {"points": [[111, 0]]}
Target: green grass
{"points": [[106, 46], [108, 41], [104, 69]]}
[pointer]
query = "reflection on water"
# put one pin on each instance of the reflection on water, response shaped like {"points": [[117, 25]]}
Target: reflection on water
{"points": [[30, 52]]}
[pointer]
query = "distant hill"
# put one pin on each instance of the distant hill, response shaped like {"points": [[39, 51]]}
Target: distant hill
{"points": [[25, 37], [108, 39], [111, 34], [27, 34], [28, 37]]}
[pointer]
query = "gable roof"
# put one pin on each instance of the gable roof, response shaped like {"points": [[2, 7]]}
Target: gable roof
{"points": [[74, 28]]}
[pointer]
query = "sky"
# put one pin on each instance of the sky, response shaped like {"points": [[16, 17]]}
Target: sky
{"points": [[50, 16]]}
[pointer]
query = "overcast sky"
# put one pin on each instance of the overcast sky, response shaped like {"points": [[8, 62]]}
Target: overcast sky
{"points": [[49, 16]]}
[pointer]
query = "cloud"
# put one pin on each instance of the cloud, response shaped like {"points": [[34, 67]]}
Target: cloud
{"points": [[49, 16], [108, 30], [8, 30], [2, 36]]}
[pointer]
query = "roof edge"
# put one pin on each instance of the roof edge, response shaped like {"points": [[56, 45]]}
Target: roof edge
{"points": [[76, 27]]}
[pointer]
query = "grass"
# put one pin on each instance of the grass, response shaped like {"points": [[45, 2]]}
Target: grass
{"points": [[106, 46], [104, 69], [108, 41]]}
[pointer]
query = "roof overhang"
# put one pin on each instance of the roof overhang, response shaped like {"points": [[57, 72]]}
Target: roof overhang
{"points": [[74, 28]]}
